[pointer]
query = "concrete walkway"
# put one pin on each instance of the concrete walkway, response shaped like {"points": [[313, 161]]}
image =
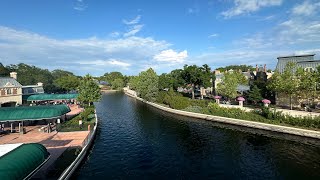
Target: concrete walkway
{"points": [[293, 113]]}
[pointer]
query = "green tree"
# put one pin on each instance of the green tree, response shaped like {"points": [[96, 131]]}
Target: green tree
{"points": [[197, 76], [117, 84], [243, 68], [4, 71], [147, 85], [307, 84], [110, 77], [165, 81], [255, 94], [68, 82], [89, 90], [230, 82], [287, 82]]}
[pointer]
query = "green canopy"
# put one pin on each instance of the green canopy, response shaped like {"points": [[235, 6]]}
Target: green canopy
{"points": [[48, 97], [22, 161], [32, 112]]}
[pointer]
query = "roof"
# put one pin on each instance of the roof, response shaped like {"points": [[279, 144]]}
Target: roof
{"points": [[5, 80], [46, 97], [32, 112], [22, 161], [302, 55], [302, 61]]}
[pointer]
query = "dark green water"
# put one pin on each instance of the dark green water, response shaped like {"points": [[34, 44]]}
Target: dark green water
{"points": [[135, 141]]}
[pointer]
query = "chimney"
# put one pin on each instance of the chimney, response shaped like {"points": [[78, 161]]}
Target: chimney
{"points": [[256, 67], [13, 75], [265, 68]]}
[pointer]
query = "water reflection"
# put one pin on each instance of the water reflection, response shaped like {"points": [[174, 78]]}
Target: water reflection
{"points": [[140, 142]]}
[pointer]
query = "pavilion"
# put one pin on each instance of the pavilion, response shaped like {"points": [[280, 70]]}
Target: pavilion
{"points": [[31, 113]]}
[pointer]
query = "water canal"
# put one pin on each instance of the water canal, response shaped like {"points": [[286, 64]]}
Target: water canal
{"points": [[135, 141]]}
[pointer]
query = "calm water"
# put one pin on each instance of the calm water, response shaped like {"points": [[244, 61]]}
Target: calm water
{"points": [[135, 141]]}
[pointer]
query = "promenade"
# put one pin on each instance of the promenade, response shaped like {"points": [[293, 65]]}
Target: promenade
{"points": [[293, 113]]}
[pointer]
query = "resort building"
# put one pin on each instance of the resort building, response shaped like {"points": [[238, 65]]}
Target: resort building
{"points": [[306, 61], [10, 91]]}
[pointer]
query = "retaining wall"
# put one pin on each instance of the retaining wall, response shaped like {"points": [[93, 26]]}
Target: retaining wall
{"points": [[238, 122]]}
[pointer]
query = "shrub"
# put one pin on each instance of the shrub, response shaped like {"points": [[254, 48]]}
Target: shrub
{"points": [[195, 109]]}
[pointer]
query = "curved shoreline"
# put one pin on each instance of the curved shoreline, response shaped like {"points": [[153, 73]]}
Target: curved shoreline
{"points": [[237, 122]]}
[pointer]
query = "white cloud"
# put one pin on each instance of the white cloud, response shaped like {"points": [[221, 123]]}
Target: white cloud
{"points": [[134, 30], [213, 35], [133, 21], [171, 56], [114, 34], [100, 54], [80, 5], [306, 8], [248, 6]]}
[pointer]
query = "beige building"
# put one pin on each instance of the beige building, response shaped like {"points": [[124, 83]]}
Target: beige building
{"points": [[10, 91]]}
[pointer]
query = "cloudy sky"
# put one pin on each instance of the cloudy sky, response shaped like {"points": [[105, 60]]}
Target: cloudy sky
{"points": [[91, 36]]}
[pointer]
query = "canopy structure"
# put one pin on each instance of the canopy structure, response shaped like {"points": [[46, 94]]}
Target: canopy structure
{"points": [[21, 161], [32, 112], [48, 97]]}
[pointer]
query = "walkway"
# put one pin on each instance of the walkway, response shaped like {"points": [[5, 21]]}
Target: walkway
{"points": [[284, 111]]}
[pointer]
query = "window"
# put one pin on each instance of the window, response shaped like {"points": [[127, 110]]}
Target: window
{"points": [[308, 69], [9, 91]]}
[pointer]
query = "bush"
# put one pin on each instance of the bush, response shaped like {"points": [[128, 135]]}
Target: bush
{"points": [[195, 109], [88, 111]]}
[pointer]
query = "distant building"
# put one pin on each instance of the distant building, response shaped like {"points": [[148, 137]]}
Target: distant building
{"points": [[12, 92], [306, 61]]}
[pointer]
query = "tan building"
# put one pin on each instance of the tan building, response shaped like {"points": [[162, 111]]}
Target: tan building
{"points": [[10, 91]]}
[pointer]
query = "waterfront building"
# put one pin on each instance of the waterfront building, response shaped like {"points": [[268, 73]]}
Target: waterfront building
{"points": [[12, 93]]}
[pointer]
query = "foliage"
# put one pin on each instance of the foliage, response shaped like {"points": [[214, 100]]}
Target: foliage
{"points": [[229, 84], [243, 68], [89, 91], [165, 81], [146, 85], [195, 109], [255, 94], [68, 83], [173, 99], [3, 71], [117, 84], [110, 77], [197, 76], [85, 114]]}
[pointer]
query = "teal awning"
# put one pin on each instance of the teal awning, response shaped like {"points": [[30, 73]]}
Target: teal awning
{"points": [[48, 97], [22, 161], [32, 112]]}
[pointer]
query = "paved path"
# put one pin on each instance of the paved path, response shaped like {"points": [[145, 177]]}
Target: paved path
{"points": [[285, 111]]}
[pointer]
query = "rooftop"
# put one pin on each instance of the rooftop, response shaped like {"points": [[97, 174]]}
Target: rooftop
{"points": [[5, 81], [32, 112], [303, 55]]}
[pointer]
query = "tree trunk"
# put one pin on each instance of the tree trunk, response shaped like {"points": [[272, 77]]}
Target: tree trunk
{"points": [[192, 91], [290, 101]]}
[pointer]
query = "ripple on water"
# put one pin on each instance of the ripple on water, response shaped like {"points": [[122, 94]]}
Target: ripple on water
{"points": [[138, 142]]}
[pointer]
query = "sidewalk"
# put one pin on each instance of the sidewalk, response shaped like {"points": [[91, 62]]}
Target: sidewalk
{"points": [[293, 113]]}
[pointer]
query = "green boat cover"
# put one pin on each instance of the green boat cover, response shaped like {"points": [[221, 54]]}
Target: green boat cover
{"points": [[32, 112], [20, 162], [48, 97]]}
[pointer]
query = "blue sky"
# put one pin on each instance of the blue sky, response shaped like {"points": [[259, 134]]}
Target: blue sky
{"points": [[91, 36]]}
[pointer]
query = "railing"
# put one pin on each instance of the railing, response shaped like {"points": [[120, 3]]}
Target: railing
{"points": [[67, 173]]}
